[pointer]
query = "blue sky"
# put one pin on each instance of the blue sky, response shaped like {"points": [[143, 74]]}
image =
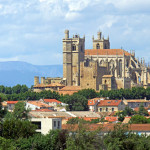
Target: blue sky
{"points": [[32, 30]]}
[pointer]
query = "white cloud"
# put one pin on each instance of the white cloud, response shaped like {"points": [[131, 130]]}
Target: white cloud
{"points": [[77, 5], [130, 5], [72, 16]]}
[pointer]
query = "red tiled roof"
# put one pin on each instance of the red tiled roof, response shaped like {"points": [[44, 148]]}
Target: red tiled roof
{"points": [[37, 103], [106, 52], [107, 127], [109, 103], [12, 102], [43, 110], [52, 101], [93, 101], [111, 119], [69, 90]]}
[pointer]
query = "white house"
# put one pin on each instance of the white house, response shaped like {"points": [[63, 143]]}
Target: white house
{"points": [[33, 105], [46, 124]]}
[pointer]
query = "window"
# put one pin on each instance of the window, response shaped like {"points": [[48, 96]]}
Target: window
{"points": [[112, 109], [81, 48], [97, 46], [58, 124], [100, 109], [37, 123], [73, 48], [54, 123], [106, 109]]}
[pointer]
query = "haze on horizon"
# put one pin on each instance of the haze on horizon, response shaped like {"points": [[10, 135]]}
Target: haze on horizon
{"points": [[32, 30]]}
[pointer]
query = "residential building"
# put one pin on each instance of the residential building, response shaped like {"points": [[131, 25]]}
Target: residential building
{"points": [[105, 105], [47, 87], [44, 125], [52, 102], [92, 103], [133, 103], [110, 105], [33, 105]]}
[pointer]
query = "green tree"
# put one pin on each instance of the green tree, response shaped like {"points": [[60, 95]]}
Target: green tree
{"points": [[14, 129], [20, 112], [24, 88], [77, 120], [2, 89], [76, 102], [88, 93], [3, 97], [7, 144], [138, 119], [16, 89], [83, 139], [143, 111]]}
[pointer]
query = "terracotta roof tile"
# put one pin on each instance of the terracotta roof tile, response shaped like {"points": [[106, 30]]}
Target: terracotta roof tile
{"points": [[111, 119], [43, 110], [106, 52], [69, 90], [93, 101], [109, 103], [37, 103], [107, 127], [12, 102]]}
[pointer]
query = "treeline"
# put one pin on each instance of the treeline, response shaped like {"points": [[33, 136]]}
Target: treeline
{"points": [[15, 89], [133, 93], [76, 102]]}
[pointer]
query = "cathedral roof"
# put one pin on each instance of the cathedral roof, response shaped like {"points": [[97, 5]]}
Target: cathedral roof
{"points": [[106, 52]]}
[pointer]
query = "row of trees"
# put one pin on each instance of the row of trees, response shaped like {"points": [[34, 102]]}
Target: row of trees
{"points": [[15, 89], [133, 93], [76, 102]]}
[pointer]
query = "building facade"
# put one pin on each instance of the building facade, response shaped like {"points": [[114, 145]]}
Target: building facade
{"points": [[101, 67]]}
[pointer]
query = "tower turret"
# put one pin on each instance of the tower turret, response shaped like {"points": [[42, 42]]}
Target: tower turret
{"points": [[66, 34], [73, 54], [101, 42]]}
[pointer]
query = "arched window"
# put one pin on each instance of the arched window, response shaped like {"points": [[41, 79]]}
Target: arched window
{"points": [[73, 47], [97, 46]]}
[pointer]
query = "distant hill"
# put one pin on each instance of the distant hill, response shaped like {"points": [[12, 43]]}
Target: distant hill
{"points": [[17, 72]]}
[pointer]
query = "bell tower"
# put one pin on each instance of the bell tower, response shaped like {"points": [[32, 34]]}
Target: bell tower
{"points": [[101, 42], [73, 54]]}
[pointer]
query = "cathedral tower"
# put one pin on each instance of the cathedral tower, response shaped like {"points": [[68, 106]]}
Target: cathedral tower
{"points": [[100, 42], [73, 54]]}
